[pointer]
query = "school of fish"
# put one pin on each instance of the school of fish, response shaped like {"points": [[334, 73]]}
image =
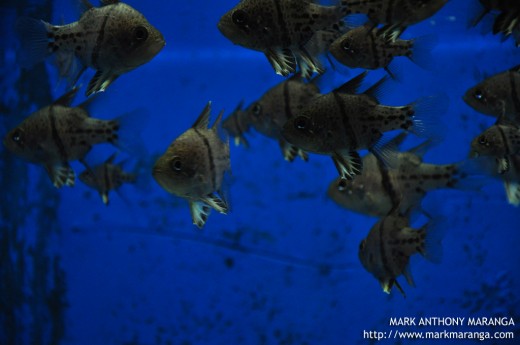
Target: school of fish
{"points": [[295, 36]]}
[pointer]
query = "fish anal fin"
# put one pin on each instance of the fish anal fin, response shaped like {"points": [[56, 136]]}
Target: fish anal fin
{"points": [[348, 165], [61, 174], [503, 164], [282, 61], [199, 213], [216, 202]]}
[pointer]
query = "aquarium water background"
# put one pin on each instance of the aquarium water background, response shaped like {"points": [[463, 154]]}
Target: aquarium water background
{"points": [[282, 267]]}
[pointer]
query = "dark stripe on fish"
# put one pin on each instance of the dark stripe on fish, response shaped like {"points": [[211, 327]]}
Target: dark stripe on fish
{"points": [[514, 92], [106, 178], [382, 248], [372, 39], [210, 159], [346, 123], [504, 138], [387, 184], [56, 136], [287, 101], [99, 39], [281, 23]]}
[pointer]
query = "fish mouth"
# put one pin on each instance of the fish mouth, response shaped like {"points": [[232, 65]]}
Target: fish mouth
{"points": [[474, 154]]}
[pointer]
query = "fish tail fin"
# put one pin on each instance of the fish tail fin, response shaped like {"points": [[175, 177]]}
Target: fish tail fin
{"points": [[432, 245], [425, 114], [36, 40], [512, 192], [421, 51], [127, 128]]}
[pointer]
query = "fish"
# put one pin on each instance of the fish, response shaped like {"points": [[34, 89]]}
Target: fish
{"points": [[395, 15], [501, 141], [58, 134], [386, 251], [365, 47], [381, 188], [112, 39], [106, 177], [237, 124], [291, 33], [341, 123], [498, 95], [277, 105], [193, 168]]}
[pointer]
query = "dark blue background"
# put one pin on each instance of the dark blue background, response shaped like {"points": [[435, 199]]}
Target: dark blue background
{"points": [[282, 267]]}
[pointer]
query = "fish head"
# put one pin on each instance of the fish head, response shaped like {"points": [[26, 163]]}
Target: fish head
{"points": [[25, 143], [485, 99], [488, 143], [181, 170], [250, 24], [313, 130], [136, 40], [352, 49]]}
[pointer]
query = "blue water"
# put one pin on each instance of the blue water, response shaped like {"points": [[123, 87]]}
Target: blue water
{"points": [[282, 267]]}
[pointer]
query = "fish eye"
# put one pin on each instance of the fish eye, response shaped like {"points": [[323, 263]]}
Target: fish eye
{"points": [[301, 123], [346, 46], [240, 18], [17, 137], [342, 185], [140, 33], [483, 141], [176, 164], [257, 109], [478, 94]]}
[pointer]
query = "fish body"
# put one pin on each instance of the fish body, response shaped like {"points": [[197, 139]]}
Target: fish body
{"points": [[58, 134], [387, 249], [507, 20], [394, 14], [282, 102], [193, 168], [291, 33], [381, 188], [112, 39], [341, 123], [237, 124], [365, 47], [106, 177], [498, 95], [500, 141]]}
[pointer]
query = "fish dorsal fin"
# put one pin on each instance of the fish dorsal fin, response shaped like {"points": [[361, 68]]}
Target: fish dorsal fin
{"points": [[421, 149], [351, 86], [516, 69], [88, 5], [377, 90], [87, 103], [203, 119], [66, 99], [111, 159], [239, 106], [217, 121], [108, 2]]}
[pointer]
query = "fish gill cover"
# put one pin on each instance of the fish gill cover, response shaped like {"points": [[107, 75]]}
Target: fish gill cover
{"points": [[283, 266]]}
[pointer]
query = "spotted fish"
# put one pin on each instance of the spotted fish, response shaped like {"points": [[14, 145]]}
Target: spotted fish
{"points": [[365, 47], [106, 177], [193, 168], [340, 123], [291, 33], [395, 15], [386, 251], [112, 39], [58, 134], [498, 95], [402, 186]]}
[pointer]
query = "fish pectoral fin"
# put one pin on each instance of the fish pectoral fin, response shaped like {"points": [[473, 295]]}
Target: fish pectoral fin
{"points": [[61, 175], [348, 165], [199, 213], [100, 82], [218, 203], [503, 164], [282, 60]]}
